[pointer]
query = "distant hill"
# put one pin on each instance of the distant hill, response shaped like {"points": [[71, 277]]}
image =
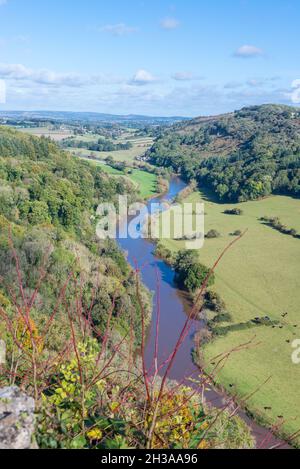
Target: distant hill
{"points": [[243, 155], [92, 117]]}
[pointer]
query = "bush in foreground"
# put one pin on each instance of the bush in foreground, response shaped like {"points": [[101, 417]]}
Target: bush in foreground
{"points": [[92, 391]]}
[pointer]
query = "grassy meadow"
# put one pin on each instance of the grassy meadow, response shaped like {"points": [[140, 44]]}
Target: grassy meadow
{"points": [[140, 146], [56, 135], [146, 182], [259, 276]]}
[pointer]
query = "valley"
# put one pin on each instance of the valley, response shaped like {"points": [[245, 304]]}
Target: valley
{"points": [[149, 230], [258, 277], [256, 284]]}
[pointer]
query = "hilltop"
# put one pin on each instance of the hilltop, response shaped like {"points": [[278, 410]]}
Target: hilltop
{"points": [[91, 117], [241, 156]]}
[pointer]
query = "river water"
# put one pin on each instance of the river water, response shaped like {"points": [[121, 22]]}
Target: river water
{"points": [[173, 309]]}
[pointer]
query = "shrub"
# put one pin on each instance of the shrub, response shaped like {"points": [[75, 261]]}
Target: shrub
{"points": [[277, 225], [223, 317], [258, 322], [236, 233], [93, 394], [191, 274], [213, 234], [162, 185], [164, 253], [213, 301], [234, 211]]}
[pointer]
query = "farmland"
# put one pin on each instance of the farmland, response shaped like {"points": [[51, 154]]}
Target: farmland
{"points": [[49, 132], [140, 144], [146, 182], [258, 277], [139, 147]]}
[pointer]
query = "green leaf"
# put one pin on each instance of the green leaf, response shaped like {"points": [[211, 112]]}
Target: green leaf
{"points": [[79, 442]]}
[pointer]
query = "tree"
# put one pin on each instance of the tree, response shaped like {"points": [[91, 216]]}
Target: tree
{"points": [[212, 234], [38, 213], [191, 274]]}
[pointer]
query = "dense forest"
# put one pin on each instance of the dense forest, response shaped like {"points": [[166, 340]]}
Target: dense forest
{"points": [[241, 156], [49, 201]]}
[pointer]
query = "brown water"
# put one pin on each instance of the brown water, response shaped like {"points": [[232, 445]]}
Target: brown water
{"points": [[173, 309]]}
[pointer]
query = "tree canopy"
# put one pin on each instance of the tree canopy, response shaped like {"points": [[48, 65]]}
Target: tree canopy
{"points": [[242, 156], [49, 200]]}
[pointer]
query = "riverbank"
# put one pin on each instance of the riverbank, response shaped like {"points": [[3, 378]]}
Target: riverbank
{"points": [[255, 283], [173, 307]]}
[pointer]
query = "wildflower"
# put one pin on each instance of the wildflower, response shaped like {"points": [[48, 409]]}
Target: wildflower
{"points": [[95, 434], [203, 445]]}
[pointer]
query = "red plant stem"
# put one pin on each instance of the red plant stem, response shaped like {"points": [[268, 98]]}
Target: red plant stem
{"points": [[18, 270], [74, 343], [183, 335], [11, 330], [107, 331], [157, 322], [97, 377], [145, 374], [60, 299], [42, 275], [131, 343], [193, 310]]}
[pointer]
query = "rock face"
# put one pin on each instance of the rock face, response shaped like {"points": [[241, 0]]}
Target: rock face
{"points": [[16, 419]]}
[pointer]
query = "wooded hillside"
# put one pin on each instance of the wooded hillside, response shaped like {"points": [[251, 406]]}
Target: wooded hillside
{"points": [[241, 156]]}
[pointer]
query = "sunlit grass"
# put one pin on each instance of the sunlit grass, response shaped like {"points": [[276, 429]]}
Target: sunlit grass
{"points": [[259, 277], [144, 181]]}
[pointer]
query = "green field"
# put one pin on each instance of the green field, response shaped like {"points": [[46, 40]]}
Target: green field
{"points": [[127, 156], [140, 146], [259, 276], [146, 182], [56, 135]]}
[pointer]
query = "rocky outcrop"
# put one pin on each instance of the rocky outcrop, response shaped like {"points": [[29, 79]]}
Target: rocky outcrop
{"points": [[16, 419]]}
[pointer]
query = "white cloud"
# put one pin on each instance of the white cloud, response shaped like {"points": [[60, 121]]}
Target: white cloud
{"points": [[16, 71], [2, 92], [248, 51], [295, 94], [169, 23], [143, 77], [47, 77], [187, 98], [44, 77], [46, 89], [120, 29], [185, 76]]}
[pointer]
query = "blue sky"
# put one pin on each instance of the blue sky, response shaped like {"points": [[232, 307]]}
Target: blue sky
{"points": [[158, 57]]}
